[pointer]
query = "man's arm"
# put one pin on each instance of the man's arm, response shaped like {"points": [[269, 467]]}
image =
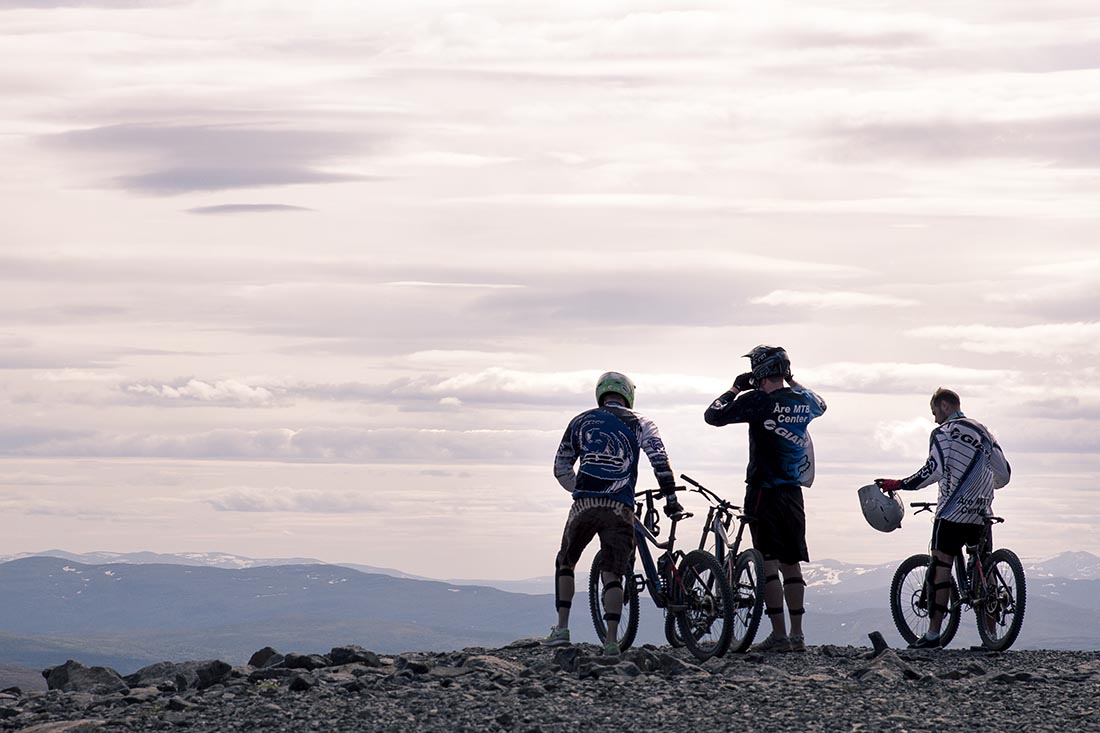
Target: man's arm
{"points": [[929, 473], [733, 406], [654, 447], [564, 460], [1002, 472]]}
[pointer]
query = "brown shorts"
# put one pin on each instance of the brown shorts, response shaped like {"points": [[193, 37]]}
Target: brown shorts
{"points": [[612, 521]]}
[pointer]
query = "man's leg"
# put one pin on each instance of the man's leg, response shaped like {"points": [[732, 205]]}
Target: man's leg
{"points": [[794, 592], [773, 598], [612, 603], [941, 589], [564, 590]]}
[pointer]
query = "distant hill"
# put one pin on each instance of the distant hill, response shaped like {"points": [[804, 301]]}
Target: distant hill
{"points": [[126, 615]]}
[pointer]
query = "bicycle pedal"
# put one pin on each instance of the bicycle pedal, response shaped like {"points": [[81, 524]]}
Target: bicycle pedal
{"points": [[639, 583]]}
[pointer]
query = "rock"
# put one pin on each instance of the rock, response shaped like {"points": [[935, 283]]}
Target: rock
{"points": [[416, 666], [178, 704], [182, 676], [70, 726], [306, 661], [351, 654], [301, 683], [493, 664], [72, 676], [264, 657], [886, 667]]}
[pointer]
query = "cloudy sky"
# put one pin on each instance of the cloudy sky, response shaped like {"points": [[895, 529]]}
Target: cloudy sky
{"points": [[329, 279]]}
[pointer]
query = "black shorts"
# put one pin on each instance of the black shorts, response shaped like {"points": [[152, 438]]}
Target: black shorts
{"points": [[615, 526], [779, 531], [949, 537]]}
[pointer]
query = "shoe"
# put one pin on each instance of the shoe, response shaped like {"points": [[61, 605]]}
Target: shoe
{"points": [[611, 649], [772, 644], [926, 642], [798, 642], [557, 637]]}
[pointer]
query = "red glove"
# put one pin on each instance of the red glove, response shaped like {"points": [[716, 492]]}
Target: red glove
{"points": [[888, 484]]}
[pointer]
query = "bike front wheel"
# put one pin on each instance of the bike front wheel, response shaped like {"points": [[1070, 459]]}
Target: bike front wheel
{"points": [[628, 623], [746, 579], [1000, 601], [911, 602], [703, 605]]}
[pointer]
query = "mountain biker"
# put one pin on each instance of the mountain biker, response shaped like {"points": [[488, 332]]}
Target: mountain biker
{"points": [[969, 464], [607, 440], [781, 462]]}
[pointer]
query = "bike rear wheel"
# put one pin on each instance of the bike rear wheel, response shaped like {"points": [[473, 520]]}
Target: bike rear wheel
{"points": [[746, 578], [1000, 602], [910, 602], [672, 631], [703, 605], [628, 623]]}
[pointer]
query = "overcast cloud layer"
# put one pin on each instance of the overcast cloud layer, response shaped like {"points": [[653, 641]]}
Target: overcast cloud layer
{"points": [[329, 280]]}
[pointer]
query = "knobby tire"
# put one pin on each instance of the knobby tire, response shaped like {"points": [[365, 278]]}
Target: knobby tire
{"points": [[1000, 605], [628, 624], [910, 618]]}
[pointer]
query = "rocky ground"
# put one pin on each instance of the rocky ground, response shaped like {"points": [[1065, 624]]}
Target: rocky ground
{"points": [[526, 687]]}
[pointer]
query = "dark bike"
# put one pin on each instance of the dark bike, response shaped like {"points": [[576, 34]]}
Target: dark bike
{"points": [[690, 587], [989, 581], [744, 570]]}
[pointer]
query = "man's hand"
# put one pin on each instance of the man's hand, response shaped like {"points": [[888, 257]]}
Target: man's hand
{"points": [[672, 507], [744, 382], [888, 484]]}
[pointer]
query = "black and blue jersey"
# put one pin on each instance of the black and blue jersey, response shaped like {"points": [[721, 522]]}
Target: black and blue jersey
{"points": [[608, 441], [781, 452]]}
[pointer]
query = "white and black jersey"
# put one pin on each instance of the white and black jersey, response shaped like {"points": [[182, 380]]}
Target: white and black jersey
{"points": [[968, 463]]}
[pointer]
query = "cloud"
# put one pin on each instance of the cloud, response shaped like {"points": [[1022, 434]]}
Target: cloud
{"points": [[182, 158], [245, 209], [426, 447], [902, 378], [835, 299], [1059, 342], [222, 392], [1071, 142], [286, 499]]}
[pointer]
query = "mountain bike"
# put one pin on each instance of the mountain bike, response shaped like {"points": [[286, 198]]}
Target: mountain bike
{"points": [[989, 581], [744, 570], [691, 587]]}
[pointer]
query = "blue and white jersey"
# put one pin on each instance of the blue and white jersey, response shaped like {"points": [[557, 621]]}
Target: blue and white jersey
{"points": [[781, 452], [968, 463], [608, 441]]}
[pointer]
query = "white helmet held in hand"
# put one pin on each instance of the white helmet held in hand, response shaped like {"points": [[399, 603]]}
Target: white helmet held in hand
{"points": [[882, 511]]}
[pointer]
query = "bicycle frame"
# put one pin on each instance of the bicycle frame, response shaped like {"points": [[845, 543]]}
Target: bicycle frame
{"points": [[650, 578], [719, 518], [968, 568]]}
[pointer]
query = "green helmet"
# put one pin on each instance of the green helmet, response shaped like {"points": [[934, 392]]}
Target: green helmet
{"points": [[615, 383]]}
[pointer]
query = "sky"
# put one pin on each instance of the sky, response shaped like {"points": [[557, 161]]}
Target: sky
{"points": [[329, 279]]}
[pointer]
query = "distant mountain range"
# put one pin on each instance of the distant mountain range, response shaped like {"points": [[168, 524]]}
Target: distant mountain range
{"points": [[139, 608]]}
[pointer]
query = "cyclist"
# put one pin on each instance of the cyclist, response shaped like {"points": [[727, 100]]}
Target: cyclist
{"points": [[969, 464], [607, 440], [781, 462]]}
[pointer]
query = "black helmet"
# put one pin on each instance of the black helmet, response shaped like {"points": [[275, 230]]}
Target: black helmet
{"points": [[769, 361]]}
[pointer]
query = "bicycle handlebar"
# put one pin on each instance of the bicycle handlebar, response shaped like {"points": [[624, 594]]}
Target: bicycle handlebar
{"points": [[709, 495]]}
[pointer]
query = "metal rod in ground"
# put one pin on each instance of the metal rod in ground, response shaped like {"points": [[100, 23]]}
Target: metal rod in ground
{"points": [[878, 642]]}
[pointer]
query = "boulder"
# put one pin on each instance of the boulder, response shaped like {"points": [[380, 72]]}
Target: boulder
{"points": [[352, 654], [306, 661], [72, 676], [181, 676], [265, 658]]}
